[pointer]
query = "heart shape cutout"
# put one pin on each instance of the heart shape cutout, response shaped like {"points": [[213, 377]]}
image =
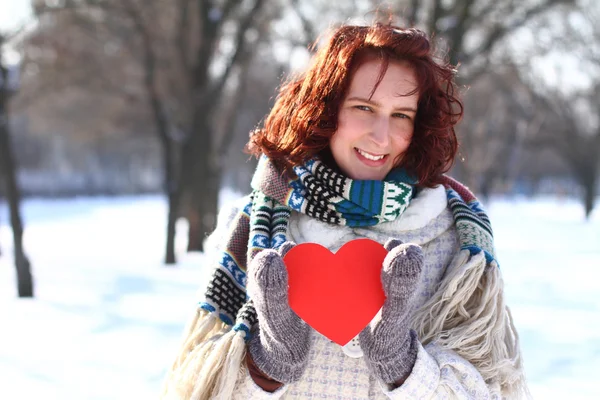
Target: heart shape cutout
{"points": [[336, 294]]}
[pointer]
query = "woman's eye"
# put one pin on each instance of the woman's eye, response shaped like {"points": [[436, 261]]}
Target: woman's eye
{"points": [[401, 116], [363, 108]]}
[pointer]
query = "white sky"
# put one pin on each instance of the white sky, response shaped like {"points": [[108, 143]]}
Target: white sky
{"points": [[13, 13]]}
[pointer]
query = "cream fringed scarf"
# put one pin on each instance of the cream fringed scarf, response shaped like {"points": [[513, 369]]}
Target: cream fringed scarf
{"points": [[467, 314]]}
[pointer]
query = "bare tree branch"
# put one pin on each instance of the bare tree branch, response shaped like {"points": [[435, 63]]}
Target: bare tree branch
{"points": [[458, 32], [438, 11], [216, 92], [500, 31], [230, 120], [73, 5], [483, 13], [307, 26], [414, 12], [183, 33], [212, 17]]}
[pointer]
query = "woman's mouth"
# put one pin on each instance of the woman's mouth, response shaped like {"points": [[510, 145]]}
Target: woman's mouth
{"points": [[370, 159]]}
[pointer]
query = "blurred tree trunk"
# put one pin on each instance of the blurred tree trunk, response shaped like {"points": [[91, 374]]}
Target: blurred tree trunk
{"points": [[567, 130], [171, 176], [173, 190], [176, 45], [24, 277], [585, 166], [589, 192], [202, 158], [134, 27], [198, 162]]}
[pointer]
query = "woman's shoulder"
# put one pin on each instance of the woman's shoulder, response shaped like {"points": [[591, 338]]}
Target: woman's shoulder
{"points": [[232, 206], [229, 210], [427, 205], [455, 189], [471, 219]]}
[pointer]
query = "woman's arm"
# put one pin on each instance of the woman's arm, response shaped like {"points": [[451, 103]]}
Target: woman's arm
{"points": [[473, 350], [441, 374], [256, 385], [265, 382]]}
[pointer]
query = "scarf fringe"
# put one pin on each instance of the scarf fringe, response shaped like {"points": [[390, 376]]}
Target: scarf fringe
{"points": [[202, 354], [197, 331], [467, 314], [228, 377], [206, 380]]}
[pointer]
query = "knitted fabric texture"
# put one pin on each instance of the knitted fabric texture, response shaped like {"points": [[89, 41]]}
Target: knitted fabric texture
{"points": [[281, 344], [318, 192], [390, 346], [321, 193]]}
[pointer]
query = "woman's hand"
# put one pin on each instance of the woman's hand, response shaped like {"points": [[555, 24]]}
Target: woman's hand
{"points": [[280, 343], [388, 343]]}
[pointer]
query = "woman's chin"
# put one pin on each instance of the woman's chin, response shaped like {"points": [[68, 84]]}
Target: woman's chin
{"points": [[367, 175]]}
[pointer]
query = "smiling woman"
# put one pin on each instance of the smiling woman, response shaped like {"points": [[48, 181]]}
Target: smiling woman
{"points": [[385, 68], [376, 120], [356, 147]]}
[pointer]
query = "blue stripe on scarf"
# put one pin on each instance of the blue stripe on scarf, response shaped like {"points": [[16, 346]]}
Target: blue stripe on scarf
{"points": [[205, 306], [355, 222], [242, 327], [260, 241], [296, 201], [248, 208], [350, 209], [472, 211], [225, 318], [476, 250], [277, 240], [229, 263], [368, 195], [355, 215]]}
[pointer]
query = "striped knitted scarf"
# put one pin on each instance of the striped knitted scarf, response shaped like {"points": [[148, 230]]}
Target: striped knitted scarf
{"points": [[328, 196]]}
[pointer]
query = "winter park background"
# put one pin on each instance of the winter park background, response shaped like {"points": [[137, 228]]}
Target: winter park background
{"points": [[118, 130]]}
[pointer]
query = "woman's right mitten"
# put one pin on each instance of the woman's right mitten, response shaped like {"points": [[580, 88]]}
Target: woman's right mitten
{"points": [[280, 342]]}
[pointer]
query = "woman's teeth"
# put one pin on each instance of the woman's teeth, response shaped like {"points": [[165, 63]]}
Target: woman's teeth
{"points": [[369, 156]]}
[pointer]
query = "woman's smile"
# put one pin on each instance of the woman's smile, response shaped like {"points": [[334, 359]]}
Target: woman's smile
{"points": [[370, 159]]}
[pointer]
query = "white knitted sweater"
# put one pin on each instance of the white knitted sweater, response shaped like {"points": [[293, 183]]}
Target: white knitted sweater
{"points": [[331, 374]]}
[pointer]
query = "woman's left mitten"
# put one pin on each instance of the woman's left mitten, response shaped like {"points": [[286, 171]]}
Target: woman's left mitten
{"points": [[388, 343]]}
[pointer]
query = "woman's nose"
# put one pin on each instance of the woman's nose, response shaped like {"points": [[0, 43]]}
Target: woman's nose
{"points": [[380, 132]]}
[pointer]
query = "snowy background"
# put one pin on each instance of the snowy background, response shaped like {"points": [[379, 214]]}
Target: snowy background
{"points": [[108, 316]]}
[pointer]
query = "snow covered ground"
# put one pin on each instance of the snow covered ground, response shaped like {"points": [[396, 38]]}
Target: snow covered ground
{"points": [[108, 315]]}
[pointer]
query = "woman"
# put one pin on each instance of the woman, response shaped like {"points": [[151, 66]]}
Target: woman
{"points": [[357, 147]]}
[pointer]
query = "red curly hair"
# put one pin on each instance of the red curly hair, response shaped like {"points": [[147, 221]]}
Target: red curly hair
{"points": [[305, 115]]}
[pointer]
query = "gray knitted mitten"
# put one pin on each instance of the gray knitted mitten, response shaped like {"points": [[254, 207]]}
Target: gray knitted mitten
{"points": [[281, 340], [388, 343]]}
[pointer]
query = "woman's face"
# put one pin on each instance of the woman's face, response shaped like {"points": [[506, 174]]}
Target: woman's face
{"points": [[373, 133]]}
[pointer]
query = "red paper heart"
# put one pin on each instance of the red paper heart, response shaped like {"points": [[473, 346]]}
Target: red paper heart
{"points": [[337, 294]]}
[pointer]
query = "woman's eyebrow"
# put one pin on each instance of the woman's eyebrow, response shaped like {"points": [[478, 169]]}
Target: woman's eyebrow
{"points": [[377, 104]]}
